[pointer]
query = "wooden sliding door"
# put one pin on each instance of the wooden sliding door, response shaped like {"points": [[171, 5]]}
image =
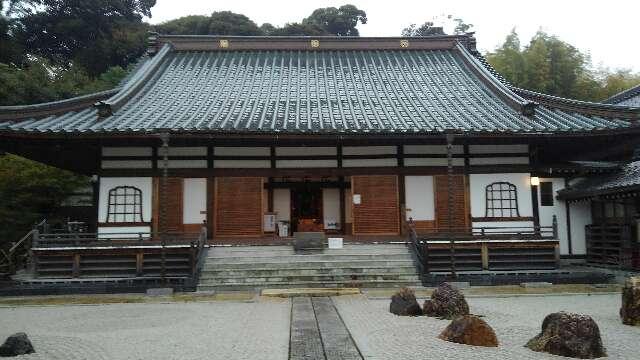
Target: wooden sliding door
{"points": [[378, 211], [238, 206], [173, 195]]}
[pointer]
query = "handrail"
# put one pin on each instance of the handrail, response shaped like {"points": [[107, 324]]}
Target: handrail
{"points": [[25, 243], [417, 246], [200, 253]]}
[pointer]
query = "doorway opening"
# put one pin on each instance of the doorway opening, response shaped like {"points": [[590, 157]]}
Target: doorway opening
{"points": [[306, 208]]}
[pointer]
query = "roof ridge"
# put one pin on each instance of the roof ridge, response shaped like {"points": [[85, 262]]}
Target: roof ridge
{"points": [[514, 100], [136, 83], [623, 95]]}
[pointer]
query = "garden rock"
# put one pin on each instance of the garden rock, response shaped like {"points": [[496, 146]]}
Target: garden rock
{"points": [[630, 310], [16, 344], [446, 302], [470, 330], [404, 303], [570, 335]]}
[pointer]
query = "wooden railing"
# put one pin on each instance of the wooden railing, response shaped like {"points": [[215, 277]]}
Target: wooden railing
{"points": [[139, 254], [485, 248], [18, 255]]}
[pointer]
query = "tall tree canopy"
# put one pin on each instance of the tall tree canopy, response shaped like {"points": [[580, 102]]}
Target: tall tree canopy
{"points": [[340, 21], [219, 23], [95, 34], [552, 66], [428, 28]]}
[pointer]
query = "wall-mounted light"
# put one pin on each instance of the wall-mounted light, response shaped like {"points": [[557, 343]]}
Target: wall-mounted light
{"points": [[535, 181]]}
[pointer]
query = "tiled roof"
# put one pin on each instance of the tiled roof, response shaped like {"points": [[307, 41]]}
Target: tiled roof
{"points": [[318, 91], [625, 180], [629, 97]]}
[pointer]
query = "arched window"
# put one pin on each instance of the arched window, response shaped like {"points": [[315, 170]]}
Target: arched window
{"points": [[502, 200], [125, 205]]}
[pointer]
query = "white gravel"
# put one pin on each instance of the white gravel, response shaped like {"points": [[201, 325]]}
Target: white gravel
{"points": [[215, 330], [260, 330], [381, 335]]}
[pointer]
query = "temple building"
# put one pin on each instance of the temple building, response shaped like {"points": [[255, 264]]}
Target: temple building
{"points": [[259, 138]]}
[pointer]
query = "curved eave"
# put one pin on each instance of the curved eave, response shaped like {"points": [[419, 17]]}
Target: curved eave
{"points": [[518, 103], [581, 107], [21, 112]]}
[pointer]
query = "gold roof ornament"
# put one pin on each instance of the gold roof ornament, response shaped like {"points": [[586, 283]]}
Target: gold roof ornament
{"points": [[404, 43], [223, 44], [315, 43]]}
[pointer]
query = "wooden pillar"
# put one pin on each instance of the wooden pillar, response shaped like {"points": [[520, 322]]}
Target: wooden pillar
{"points": [[211, 194], [401, 189], [75, 271], [568, 219], [452, 245], [485, 256], [139, 263]]}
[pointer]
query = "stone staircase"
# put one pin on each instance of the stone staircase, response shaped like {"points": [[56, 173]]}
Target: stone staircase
{"points": [[258, 267]]}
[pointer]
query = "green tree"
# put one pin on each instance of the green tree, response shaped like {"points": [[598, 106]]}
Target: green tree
{"points": [[461, 27], [219, 23], [94, 34], [426, 29], [299, 29], [552, 66], [40, 81], [30, 191], [340, 21], [508, 59]]}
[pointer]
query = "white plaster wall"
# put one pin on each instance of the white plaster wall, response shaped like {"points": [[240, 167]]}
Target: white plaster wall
{"points": [[432, 162], [558, 209], [126, 151], [432, 149], [185, 151], [331, 208], [241, 151], [282, 204], [477, 187], [368, 150], [126, 164], [306, 150], [239, 164], [369, 162], [419, 197], [306, 163], [499, 160], [184, 164], [142, 183], [194, 201], [580, 217], [502, 149]]}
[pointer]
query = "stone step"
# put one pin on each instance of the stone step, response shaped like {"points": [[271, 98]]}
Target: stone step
{"points": [[298, 264], [304, 258], [308, 278], [211, 273], [317, 284]]}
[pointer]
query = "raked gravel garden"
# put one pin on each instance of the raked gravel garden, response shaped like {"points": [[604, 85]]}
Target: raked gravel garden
{"points": [[259, 329]]}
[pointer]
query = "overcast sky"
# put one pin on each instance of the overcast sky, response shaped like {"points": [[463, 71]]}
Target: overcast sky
{"points": [[608, 30]]}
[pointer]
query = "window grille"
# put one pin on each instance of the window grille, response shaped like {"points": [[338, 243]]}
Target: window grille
{"points": [[502, 200], [546, 193], [125, 205]]}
